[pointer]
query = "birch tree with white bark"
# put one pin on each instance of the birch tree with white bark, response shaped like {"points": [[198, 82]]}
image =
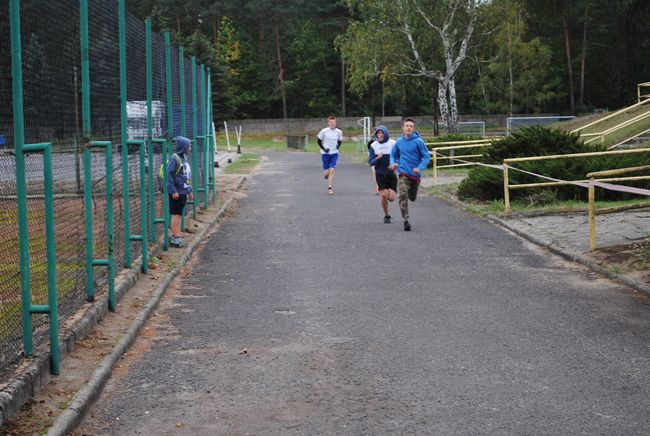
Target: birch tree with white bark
{"points": [[453, 24], [433, 37]]}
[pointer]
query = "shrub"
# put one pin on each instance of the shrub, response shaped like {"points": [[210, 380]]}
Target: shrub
{"points": [[487, 183]]}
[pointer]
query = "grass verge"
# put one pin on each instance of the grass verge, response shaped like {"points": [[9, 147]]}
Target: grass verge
{"points": [[243, 164]]}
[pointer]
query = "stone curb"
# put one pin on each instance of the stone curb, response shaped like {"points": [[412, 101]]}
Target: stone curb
{"points": [[71, 417], [573, 257]]}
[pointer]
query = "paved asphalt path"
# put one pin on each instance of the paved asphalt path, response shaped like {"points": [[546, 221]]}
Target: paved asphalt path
{"points": [[353, 326]]}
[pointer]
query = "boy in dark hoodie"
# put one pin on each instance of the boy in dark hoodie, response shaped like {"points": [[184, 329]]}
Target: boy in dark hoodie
{"points": [[410, 158], [379, 157], [179, 187]]}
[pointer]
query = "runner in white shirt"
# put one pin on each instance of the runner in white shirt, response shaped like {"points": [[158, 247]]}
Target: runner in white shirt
{"points": [[329, 140]]}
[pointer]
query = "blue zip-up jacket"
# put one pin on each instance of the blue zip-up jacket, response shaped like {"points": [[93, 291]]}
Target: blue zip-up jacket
{"points": [[385, 147], [179, 182], [410, 153]]}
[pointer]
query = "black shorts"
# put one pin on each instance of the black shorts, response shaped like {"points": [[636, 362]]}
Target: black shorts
{"points": [[387, 181], [176, 206]]}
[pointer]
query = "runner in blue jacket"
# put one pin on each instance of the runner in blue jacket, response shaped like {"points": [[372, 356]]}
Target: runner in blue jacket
{"points": [[410, 158]]}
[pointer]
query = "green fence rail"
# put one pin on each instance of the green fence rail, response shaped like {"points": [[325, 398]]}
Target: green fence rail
{"points": [[104, 83]]}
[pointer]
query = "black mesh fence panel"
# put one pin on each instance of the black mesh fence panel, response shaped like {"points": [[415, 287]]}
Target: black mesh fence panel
{"points": [[52, 76], [10, 326], [176, 94], [189, 109], [200, 143], [159, 111]]}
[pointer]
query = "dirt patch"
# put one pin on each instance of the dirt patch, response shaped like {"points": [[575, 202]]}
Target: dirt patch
{"points": [[632, 259]]}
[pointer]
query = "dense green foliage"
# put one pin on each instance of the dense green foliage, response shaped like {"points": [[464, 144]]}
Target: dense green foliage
{"points": [[484, 183], [273, 57]]}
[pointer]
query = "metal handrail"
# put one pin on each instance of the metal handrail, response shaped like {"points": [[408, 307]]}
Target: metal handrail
{"points": [[464, 144], [638, 90], [507, 162], [91, 262], [143, 237], [592, 193], [613, 114], [613, 129], [27, 308]]}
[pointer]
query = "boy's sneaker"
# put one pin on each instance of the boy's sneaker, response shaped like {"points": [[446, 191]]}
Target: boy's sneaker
{"points": [[177, 243], [407, 226], [387, 219]]}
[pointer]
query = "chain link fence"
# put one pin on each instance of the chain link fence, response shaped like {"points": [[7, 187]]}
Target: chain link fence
{"points": [[52, 83]]}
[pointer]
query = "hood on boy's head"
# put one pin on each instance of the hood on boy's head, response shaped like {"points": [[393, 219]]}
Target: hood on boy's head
{"points": [[182, 144], [384, 130]]}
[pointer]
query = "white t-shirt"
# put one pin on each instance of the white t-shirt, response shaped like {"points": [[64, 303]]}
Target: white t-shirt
{"points": [[188, 175], [384, 148], [330, 139]]}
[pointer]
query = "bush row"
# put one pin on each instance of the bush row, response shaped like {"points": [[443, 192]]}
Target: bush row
{"points": [[487, 184]]}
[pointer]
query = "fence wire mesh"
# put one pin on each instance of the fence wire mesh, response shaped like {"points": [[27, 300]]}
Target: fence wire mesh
{"points": [[52, 82]]}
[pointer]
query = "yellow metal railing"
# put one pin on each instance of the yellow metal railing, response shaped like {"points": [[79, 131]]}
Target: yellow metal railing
{"points": [[624, 124], [610, 116], [624, 141], [507, 162], [592, 193], [452, 146], [639, 94]]}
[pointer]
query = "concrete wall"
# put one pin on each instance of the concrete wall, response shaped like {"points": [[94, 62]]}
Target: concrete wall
{"points": [[313, 125]]}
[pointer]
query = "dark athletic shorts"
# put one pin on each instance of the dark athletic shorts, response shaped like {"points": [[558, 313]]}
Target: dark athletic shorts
{"points": [[176, 206], [387, 181]]}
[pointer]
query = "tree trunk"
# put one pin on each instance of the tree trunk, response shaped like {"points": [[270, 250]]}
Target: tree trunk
{"points": [[372, 101], [342, 88], [436, 128], [453, 108], [216, 33], [583, 60], [283, 90], [511, 79], [178, 23], [383, 98], [567, 48], [261, 29], [442, 101]]}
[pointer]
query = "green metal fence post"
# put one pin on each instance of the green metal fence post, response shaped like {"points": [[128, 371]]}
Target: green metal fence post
{"points": [[110, 228], [213, 138], [50, 236], [88, 201], [85, 70], [181, 69], [109, 262], [206, 147], [200, 137], [21, 185], [149, 84], [195, 165], [162, 142], [143, 236], [170, 135], [124, 134], [27, 308]]}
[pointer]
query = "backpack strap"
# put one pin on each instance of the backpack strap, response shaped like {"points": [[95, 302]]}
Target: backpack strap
{"points": [[179, 163]]}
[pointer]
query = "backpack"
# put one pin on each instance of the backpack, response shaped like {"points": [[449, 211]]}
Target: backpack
{"points": [[161, 172]]}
